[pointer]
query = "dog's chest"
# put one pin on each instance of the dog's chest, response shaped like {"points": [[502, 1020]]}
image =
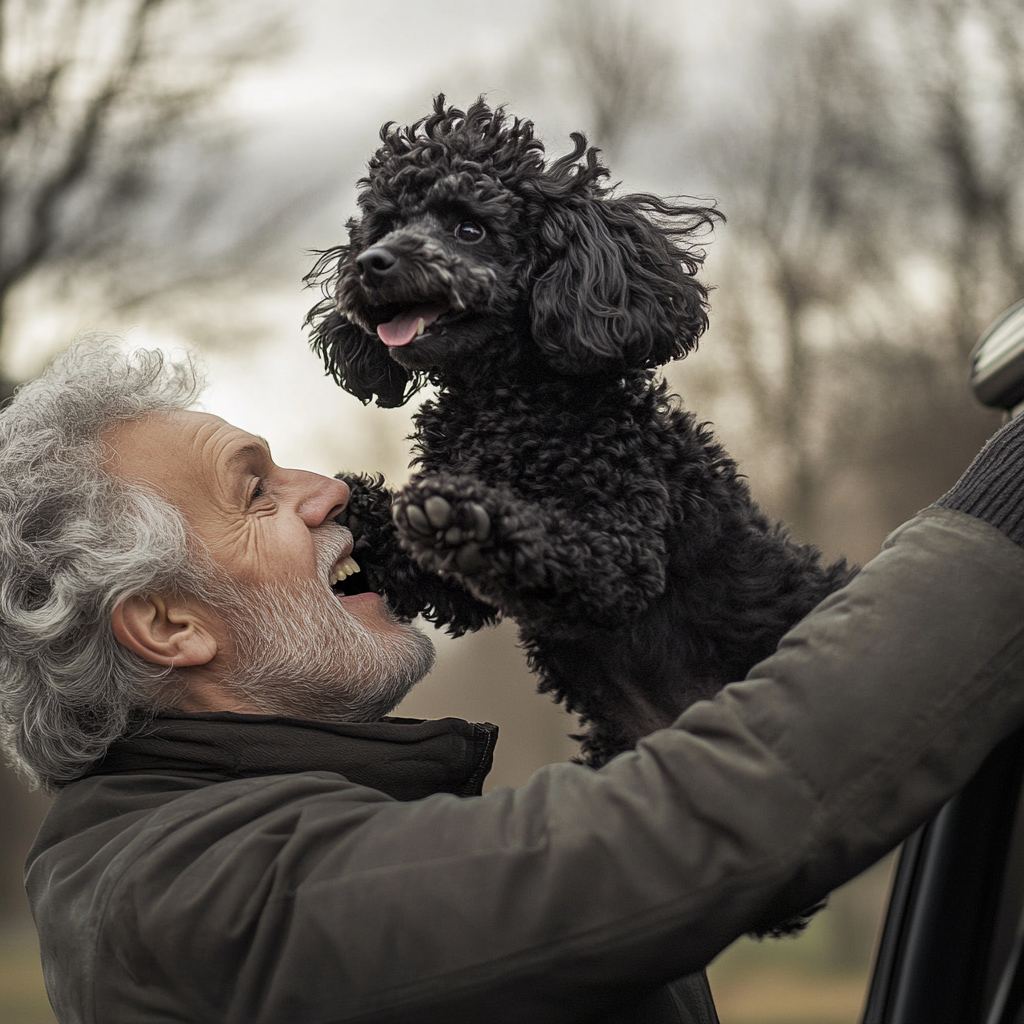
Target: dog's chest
{"points": [[573, 446]]}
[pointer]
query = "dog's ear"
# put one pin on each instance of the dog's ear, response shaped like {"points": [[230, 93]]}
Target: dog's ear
{"points": [[618, 290], [358, 362]]}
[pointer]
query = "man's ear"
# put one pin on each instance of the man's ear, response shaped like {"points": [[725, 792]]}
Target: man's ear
{"points": [[164, 630]]}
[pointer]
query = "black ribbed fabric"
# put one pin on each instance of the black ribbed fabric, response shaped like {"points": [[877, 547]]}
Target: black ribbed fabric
{"points": [[406, 758], [992, 488]]}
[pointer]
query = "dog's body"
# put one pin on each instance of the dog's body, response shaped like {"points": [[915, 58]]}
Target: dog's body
{"points": [[557, 481]]}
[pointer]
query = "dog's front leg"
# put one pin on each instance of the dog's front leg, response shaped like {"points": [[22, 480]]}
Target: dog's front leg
{"points": [[409, 589], [536, 563]]}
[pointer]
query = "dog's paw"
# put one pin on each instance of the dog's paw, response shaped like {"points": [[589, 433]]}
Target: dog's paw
{"points": [[444, 533]]}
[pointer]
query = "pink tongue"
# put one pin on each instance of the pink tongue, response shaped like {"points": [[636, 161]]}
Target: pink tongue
{"points": [[402, 329]]}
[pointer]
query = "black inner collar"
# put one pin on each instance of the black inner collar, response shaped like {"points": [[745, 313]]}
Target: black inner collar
{"points": [[406, 758]]}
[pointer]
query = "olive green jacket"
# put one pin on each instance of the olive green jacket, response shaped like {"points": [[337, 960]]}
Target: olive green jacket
{"points": [[198, 891]]}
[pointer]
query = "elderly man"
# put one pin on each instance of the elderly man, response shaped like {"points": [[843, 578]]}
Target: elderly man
{"points": [[237, 835]]}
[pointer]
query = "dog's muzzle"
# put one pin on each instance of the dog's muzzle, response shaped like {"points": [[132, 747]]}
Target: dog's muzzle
{"points": [[376, 262]]}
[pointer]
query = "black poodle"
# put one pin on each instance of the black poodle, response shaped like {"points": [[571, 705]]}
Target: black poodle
{"points": [[558, 482]]}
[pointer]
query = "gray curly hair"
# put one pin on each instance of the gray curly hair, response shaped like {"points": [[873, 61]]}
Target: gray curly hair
{"points": [[75, 540]]}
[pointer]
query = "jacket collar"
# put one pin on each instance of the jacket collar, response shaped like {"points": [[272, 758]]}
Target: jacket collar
{"points": [[406, 758]]}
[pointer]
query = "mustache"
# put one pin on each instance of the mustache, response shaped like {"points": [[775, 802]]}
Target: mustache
{"points": [[329, 540]]}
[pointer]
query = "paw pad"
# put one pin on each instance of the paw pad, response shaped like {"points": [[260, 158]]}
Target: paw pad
{"points": [[416, 519], [438, 511], [452, 534], [481, 522]]}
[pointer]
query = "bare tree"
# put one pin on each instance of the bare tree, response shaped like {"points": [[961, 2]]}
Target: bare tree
{"points": [[962, 86], [622, 68], [886, 154], [807, 235], [109, 139], [608, 59]]}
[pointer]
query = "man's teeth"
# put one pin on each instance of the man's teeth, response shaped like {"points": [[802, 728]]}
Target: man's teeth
{"points": [[343, 568], [420, 325]]}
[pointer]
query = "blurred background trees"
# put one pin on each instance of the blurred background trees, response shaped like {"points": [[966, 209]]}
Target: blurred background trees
{"points": [[875, 231], [168, 164], [622, 70], [120, 156]]}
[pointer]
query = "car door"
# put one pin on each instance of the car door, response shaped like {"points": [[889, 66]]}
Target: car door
{"points": [[951, 947], [950, 951]]}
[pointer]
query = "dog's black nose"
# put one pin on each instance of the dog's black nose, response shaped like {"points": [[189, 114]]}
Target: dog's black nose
{"points": [[376, 261]]}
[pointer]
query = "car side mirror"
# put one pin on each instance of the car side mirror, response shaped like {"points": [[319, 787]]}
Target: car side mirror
{"points": [[997, 362]]}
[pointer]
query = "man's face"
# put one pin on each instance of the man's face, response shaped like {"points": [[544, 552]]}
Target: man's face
{"points": [[287, 643]]}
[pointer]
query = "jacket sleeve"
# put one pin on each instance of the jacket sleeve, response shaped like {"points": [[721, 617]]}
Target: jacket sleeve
{"points": [[305, 898]]}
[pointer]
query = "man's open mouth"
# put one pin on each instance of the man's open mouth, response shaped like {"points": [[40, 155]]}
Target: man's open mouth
{"points": [[346, 579], [410, 323]]}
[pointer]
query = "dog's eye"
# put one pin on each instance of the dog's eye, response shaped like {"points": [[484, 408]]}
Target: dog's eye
{"points": [[469, 231]]}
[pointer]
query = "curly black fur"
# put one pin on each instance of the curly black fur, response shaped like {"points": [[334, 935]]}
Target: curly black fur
{"points": [[557, 481]]}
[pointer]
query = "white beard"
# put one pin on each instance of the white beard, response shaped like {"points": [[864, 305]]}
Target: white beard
{"points": [[301, 653]]}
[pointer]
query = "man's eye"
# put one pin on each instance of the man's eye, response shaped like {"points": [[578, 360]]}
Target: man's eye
{"points": [[257, 492], [469, 231]]}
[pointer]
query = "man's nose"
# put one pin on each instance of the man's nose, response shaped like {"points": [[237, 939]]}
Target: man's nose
{"points": [[325, 499]]}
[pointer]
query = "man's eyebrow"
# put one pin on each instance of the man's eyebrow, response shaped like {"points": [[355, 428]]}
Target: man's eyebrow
{"points": [[259, 448]]}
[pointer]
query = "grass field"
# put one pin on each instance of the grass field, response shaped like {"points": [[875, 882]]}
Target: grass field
{"points": [[819, 977], [778, 995], [779, 998], [22, 996]]}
